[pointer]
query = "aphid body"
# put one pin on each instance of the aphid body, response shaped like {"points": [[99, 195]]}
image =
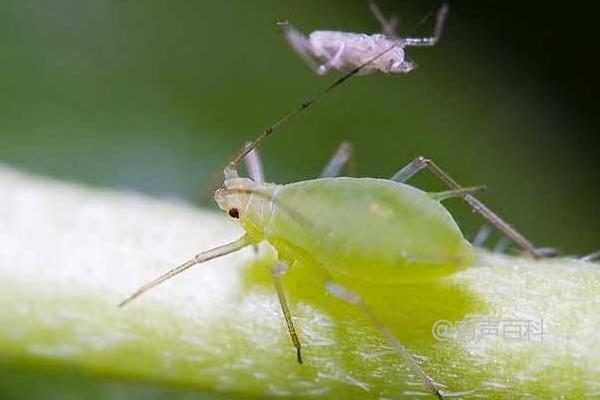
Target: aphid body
{"points": [[366, 228], [358, 49]]}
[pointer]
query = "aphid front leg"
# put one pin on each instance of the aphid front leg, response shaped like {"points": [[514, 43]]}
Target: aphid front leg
{"points": [[197, 259], [255, 172], [354, 299], [278, 269], [421, 162], [342, 156], [301, 44]]}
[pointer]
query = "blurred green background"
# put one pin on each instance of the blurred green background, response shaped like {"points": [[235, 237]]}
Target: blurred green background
{"points": [[156, 96]]}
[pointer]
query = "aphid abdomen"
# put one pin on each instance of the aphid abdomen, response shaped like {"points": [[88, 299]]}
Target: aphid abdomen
{"points": [[368, 228], [358, 49]]}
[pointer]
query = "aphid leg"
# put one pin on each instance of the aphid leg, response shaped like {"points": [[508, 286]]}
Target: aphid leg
{"points": [[255, 172], [437, 31], [449, 194], [278, 269], [388, 27], [481, 236], [254, 165], [333, 61], [197, 259], [342, 156], [547, 251], [353, 298], [301, 44], [502, 245], [421, 162], [591, 257]]}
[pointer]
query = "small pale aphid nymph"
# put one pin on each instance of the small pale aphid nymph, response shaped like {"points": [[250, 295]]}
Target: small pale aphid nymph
{"points": [[344, 51], [402, 233]]}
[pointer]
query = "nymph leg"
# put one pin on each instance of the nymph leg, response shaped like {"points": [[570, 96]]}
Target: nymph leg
{"points": [[437, 31]]}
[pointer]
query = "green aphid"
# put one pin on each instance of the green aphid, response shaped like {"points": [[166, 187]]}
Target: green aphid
{"points": [[377, 230], [368, 230]]}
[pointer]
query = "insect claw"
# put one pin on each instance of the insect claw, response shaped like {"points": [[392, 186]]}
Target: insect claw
{"points": [[591, 257], [545, 252], [299, 355]]}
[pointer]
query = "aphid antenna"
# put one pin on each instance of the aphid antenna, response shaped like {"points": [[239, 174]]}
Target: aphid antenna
{"points": [[231, 169]]}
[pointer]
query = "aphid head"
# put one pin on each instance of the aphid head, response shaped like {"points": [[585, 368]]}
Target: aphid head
{"points": [[401, 67], [235, 196], [249, 202]]}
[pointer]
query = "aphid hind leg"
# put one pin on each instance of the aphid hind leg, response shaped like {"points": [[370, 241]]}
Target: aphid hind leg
{"points": [[343, 156], [278, 269], [437, 31], [421, 162], [449, 194], [353, 298]]}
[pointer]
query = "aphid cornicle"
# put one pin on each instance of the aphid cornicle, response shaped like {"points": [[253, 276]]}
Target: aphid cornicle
{"points": [[344, 225]]}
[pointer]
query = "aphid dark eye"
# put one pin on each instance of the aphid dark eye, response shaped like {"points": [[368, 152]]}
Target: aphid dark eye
{"points": [[234, 213]]}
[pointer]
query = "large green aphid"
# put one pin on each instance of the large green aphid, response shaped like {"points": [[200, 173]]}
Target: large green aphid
{"points": [[361, 229], [364, 229]]}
